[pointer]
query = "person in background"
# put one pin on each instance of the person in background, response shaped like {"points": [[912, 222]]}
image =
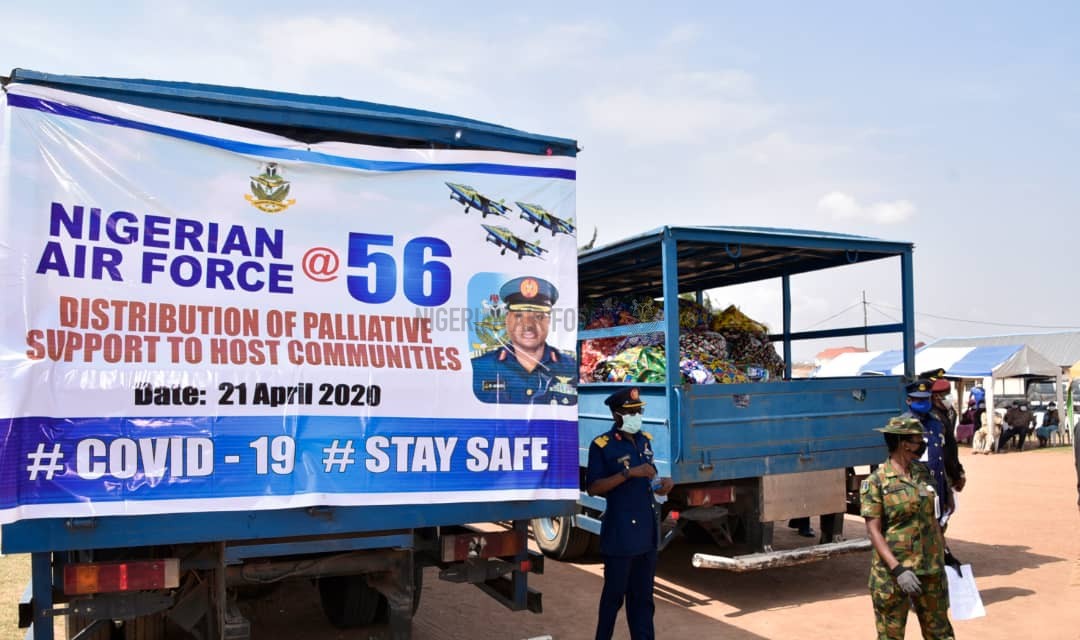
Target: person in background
{"points": [[803, 525], [621, 469], [1076, 459], [983, 440], [1017, 422], [908, 566], [1050, 424], [944, 454], [947, 408], [965, 428], [920, 407], [985, 429]]}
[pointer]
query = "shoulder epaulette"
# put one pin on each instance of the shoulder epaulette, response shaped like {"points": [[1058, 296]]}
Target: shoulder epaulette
{"points": [[601, 441]]}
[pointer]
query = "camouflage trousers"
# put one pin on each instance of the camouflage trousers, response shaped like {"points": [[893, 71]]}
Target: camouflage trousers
{"points": [[931, 607]]}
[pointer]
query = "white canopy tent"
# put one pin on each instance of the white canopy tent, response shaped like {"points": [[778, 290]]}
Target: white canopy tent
{"points": [[980, 363], [1005, 361]]}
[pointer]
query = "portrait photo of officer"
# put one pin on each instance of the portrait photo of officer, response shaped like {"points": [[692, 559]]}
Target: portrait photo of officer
{"points": [[524, 368]]}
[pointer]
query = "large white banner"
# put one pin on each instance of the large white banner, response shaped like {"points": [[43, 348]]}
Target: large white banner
{"points": [[199, 316]]}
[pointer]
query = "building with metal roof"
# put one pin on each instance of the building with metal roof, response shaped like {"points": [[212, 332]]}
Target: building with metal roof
{"points": [[1061, 348]]}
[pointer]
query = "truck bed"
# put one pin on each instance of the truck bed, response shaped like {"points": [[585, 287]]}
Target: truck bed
{"points": [[785, 427]]}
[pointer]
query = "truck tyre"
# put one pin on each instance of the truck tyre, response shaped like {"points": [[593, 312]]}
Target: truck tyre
{"points": [[348, 601], [558, 537]]}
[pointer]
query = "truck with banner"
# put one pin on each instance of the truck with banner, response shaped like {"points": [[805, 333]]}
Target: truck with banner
{"points": [[251, 336]]}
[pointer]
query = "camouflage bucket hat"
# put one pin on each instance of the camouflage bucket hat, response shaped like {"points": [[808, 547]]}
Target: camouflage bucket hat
{"points": [[902, 426]]}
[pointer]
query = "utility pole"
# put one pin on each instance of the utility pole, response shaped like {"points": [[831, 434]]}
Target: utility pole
{"points": [[865, 337]]}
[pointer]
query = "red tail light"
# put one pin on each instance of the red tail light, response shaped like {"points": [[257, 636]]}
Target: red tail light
{"points": [[108, 577], [461, 546]]}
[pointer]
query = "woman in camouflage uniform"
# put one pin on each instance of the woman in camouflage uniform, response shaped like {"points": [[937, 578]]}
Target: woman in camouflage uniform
{"points": [[908, 571]]}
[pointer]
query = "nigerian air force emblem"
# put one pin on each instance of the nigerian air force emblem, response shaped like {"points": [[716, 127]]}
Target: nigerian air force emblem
{"points": [[270, 191]]}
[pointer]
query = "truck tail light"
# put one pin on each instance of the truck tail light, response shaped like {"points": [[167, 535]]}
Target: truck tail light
{"points": [[108, 577], [463, 546]]}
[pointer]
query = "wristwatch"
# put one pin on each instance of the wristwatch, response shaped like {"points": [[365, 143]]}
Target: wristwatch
{"points": [[625, 474]]}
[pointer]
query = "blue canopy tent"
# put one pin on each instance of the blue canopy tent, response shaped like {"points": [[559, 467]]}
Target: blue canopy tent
{"points": [[1003, 361], [985, 363]]}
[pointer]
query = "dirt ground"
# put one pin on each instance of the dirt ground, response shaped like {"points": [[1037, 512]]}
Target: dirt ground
{"points": [[1017, 525]]}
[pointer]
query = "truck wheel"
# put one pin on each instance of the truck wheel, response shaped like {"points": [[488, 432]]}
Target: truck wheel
{"points": [[382, 613], [558, 537], [348, 601]]}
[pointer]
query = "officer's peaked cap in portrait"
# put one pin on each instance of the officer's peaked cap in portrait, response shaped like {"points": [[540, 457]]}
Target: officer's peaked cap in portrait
{"points": [[919, 389], [625, 399], [933, 374], [529, 294], [903, 426]]}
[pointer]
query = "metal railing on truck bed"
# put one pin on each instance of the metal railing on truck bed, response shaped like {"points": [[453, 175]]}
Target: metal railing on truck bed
{"points": [[738, 452]]}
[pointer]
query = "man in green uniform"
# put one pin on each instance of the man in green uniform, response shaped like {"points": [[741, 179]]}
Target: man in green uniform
{"points": [[907, 570]]}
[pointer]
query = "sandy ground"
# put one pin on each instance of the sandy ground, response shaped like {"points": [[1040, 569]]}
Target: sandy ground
{"points": [[1017, 525]]}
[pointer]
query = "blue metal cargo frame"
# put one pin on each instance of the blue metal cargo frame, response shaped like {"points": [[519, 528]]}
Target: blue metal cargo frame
{"points": [[701, 432], [308, 118]]}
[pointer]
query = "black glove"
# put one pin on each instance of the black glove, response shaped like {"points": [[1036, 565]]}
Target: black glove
{"points": [[908, 581], [953, 562]]}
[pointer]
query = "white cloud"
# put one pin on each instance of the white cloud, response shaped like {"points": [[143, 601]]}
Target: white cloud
{"points": [[839, 205], [557, 45], [313, 42], [891, 212], [684, 107], [842, 206], [727, 82], [781, 147], [682, 35]]}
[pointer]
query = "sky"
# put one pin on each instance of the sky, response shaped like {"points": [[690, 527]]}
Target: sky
{"points": [[954, 126]]}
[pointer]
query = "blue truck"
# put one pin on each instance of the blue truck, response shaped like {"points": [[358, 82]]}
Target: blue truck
{"points": [[742, 455], [148, 576]]}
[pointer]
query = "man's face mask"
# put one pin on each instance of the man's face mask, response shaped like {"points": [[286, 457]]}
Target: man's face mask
{"points": [[922, 405], [631, 423], [946, 401], [921, 448]]}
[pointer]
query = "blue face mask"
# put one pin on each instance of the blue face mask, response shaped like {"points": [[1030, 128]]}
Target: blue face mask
{"points": [[920, 406]]}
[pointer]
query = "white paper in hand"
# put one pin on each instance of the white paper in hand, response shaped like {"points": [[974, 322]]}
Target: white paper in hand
{"points": [[965, 602]]}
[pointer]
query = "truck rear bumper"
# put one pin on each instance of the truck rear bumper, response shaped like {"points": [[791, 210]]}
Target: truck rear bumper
{"points": [[785, 558]]}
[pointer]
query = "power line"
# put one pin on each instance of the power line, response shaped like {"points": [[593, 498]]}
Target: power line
{"points": [[836, 315], [987, 322], [895, 319]]}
